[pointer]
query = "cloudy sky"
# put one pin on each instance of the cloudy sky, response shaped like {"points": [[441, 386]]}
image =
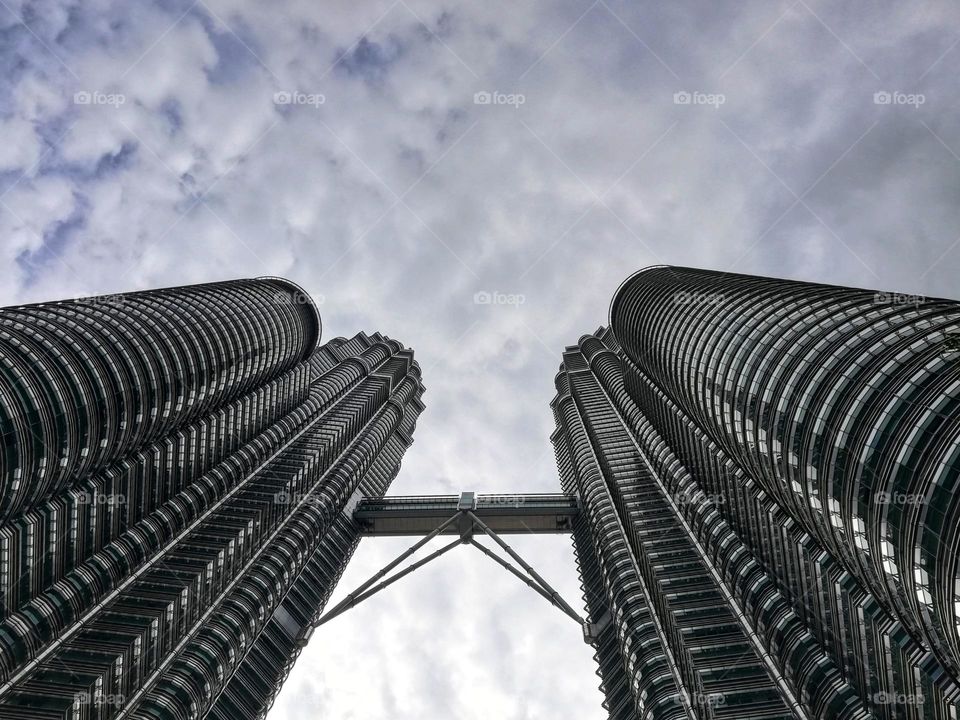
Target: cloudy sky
{"points": [[475, 180]]}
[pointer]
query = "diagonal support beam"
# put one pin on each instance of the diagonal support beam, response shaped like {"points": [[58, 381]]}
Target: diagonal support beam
{"points": [[530, 583], [554, 595], [466, 521], [353, 598], [356, 598]]}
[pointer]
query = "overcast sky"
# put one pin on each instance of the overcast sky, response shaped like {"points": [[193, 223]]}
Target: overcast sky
{"points": [[398, 158]]}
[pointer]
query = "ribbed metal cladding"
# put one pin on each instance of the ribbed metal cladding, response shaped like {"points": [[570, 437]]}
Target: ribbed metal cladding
{"points": [[190, 593], [611, 667], [717, 637], [824, 423], [84, 383]]}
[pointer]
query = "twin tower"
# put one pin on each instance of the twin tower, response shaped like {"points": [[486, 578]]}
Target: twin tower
{"points": [[760, 477]]}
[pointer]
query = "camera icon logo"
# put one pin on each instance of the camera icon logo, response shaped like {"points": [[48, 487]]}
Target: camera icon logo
{"points": [[682, 98], [482, 98]]}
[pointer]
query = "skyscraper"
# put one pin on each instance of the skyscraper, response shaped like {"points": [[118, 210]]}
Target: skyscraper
{"points": [[760, 477], [770, 521], [178, 471]]}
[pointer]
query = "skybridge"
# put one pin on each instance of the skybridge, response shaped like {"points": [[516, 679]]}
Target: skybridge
{"points": [[504, 514], [464, 516]]}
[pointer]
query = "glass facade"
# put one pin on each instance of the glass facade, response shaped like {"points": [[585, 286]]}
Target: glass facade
{"points": [[802, 443], [176, 465]]}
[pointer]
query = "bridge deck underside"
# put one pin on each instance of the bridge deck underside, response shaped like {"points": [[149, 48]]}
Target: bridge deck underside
{"points": [[504, 514]]}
